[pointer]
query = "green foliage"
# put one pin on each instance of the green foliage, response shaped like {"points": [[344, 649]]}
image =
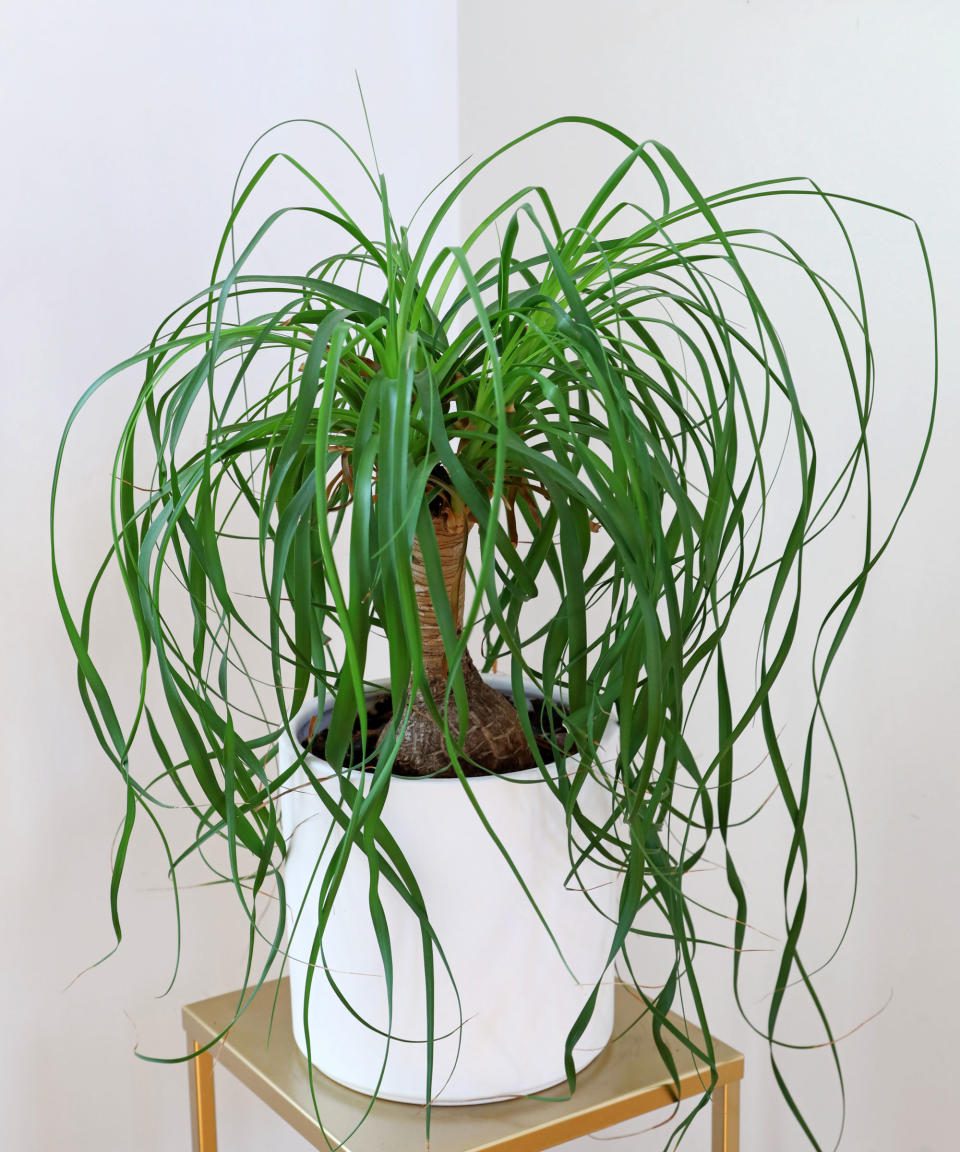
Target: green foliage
{"points": [[615, 395]]}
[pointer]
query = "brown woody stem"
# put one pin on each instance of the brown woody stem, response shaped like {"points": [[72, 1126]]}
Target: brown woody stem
{"points": [[494, 739], [452, 531]]}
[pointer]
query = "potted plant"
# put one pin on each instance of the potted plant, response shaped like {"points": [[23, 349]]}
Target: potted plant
{"points": [[556, 445]]}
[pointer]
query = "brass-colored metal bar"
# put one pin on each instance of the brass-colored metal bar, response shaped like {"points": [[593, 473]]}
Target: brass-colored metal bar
{"points": [[203, 1116], [726, 1117]]}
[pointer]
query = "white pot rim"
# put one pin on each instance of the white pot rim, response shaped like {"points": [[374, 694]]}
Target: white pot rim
{"points": [[500, 681]]}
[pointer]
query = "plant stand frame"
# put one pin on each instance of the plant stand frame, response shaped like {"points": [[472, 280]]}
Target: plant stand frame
{"points": [[626, 1080]]}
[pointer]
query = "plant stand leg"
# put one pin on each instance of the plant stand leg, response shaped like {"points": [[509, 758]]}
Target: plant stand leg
{"points": [[726, 1118], [203, 1117]]}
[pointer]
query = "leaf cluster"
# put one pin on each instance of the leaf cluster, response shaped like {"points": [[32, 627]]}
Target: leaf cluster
{"points": [[610, 403]]}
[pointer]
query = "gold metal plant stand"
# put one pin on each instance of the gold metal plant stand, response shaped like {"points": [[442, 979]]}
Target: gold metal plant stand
{"points": [[626, 1080]]}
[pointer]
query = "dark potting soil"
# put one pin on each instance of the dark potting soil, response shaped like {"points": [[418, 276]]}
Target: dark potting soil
{"points": [[380, 712]]}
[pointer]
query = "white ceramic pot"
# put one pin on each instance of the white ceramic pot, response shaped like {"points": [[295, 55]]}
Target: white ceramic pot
{"points": [[518, 1000]]}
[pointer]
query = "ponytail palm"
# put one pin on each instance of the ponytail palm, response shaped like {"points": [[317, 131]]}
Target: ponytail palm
{"points": [[553, 445]]}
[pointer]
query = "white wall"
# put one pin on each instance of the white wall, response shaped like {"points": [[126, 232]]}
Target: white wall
{"points": [[863, 96], [122, 128], [123, 124]]}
